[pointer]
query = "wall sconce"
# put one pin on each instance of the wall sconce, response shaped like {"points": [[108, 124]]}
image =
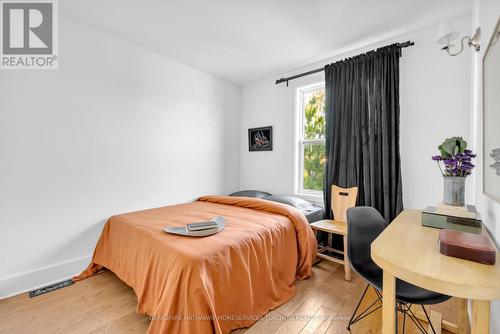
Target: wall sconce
{"points": [[448, 33]]}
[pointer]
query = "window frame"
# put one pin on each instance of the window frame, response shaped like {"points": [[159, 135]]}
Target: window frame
{"points": [[301, 91]]}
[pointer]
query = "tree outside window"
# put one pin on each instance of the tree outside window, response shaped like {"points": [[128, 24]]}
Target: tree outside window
{"points": [[312, 139]]}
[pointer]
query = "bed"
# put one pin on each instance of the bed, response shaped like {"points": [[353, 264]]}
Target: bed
{"points": [[214, 284]]}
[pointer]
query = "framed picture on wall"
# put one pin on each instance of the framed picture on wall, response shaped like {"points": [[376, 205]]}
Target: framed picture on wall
{"points": [[260, 139], [491, 117]]}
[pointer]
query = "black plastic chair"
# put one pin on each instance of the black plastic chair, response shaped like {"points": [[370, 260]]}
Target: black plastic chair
{"points": [[364, 224]]}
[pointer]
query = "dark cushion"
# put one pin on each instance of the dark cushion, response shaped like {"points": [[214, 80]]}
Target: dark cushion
{"points": [[250, 193], [313, 213]]}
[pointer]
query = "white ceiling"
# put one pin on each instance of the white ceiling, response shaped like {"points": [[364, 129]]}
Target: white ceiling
{"points": [[242, 41]]}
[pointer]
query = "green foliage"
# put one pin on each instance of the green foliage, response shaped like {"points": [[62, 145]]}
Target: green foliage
{"points": [[314, 127], [452, 146], [314, 161], [314, 153]]}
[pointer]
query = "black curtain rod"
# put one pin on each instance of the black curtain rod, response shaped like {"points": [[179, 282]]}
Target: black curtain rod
{"points": [[401, 45]]}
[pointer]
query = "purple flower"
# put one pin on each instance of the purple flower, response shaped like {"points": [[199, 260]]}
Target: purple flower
{"points": [[449, 162], [469, 154], [459, 164]]}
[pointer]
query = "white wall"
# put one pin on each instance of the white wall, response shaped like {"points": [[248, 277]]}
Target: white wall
{"points": [[116, 128], [485, 15], [435, 104]]}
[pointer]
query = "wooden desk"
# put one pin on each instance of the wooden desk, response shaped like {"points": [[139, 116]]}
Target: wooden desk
{"points": [[409, 251]]}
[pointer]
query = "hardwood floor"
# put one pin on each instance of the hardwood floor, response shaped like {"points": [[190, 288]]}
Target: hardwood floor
{"points": [[104, 304]]}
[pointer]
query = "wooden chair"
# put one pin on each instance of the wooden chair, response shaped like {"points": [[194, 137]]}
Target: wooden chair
{"points": [[342, 199]]}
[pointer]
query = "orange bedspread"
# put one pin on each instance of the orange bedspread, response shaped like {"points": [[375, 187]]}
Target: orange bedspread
{"points": [[213, 284]]}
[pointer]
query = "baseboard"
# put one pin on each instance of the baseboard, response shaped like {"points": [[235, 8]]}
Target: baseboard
{"points": [[14, 285]]}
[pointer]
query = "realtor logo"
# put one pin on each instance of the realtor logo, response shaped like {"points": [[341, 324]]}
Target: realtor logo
{"points": [[29, 34]]}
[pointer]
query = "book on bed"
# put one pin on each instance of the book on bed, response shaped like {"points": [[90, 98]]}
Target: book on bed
{"points": [[206, 225], [199, 229]]}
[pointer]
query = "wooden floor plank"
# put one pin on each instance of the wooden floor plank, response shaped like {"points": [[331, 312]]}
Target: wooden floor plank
{"points": [[320, 322], [104, 304], [270, 324], [129, 323], [323, 272]]}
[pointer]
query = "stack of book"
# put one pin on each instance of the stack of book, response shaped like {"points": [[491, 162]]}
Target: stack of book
{"points": [[465, 219], [204, 228]]}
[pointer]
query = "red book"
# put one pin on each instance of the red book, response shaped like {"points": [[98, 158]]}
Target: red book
{"points": [[467, 246]]}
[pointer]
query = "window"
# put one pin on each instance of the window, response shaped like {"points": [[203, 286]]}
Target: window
{"points": [[311, 105]]}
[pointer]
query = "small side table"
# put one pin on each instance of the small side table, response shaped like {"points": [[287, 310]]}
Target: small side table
{"points": [[333, 227]]}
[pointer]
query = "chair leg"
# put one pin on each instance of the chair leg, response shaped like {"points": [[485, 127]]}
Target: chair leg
{"points": [[369, 310], [347, 266], [357, 307], [415, 320], [428, 319], [402, 307]]}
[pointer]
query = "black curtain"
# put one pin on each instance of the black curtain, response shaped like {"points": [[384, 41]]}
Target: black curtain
{"points": [[362, 130]]}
